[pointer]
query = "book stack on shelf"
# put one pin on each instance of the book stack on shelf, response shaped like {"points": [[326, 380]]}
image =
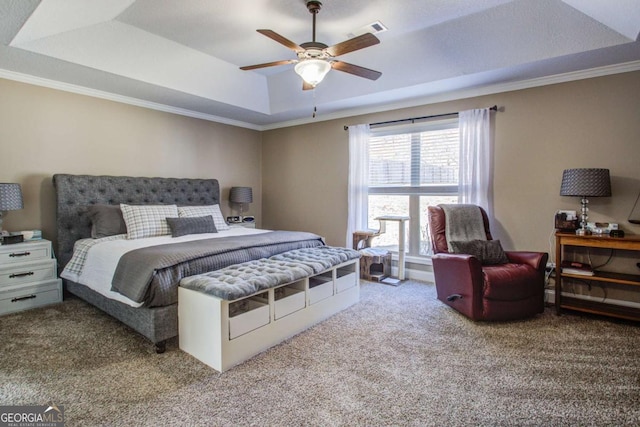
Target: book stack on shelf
{"points": [[575, 267]]}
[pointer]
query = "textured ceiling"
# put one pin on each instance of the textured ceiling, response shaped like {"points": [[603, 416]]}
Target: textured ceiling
{"points": [[184, 56]]}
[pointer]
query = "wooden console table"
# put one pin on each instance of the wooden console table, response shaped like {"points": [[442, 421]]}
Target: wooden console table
{"points": [[630, 243]]}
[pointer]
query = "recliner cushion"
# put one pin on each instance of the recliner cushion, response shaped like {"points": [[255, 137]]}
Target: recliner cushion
{"points": [[511, 282]]}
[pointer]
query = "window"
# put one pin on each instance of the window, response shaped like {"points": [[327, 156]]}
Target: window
{"points": [[410, 168]]}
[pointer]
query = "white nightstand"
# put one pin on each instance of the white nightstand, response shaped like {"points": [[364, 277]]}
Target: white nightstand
{"points": [[242, 225], [28, 276]]}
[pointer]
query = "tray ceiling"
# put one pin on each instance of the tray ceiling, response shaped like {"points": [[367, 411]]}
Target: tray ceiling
{"points": [[184, 56]]}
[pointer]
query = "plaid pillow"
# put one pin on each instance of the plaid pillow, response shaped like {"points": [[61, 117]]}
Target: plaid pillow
{"points": [[213, 210], [147, 220]]}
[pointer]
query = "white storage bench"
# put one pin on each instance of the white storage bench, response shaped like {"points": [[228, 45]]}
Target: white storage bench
{"points": [[223, 332]]}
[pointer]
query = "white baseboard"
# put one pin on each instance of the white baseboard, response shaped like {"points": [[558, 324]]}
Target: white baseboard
{"points": [[413, 274]]}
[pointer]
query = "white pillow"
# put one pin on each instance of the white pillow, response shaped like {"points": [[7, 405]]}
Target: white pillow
{"points": [[147, 220], [213, 210]]}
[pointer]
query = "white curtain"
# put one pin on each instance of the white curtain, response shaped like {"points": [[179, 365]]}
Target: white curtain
{"points": [[358, 186], [475, 184]]}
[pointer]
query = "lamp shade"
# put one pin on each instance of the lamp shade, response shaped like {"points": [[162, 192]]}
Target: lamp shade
{"points": [[241, 195], [312, 71], [586, 182], [10, 197]]}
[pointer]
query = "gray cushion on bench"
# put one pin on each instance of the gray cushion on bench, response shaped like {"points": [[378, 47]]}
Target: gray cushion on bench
{"points": [[320, 259], [248, 278]]}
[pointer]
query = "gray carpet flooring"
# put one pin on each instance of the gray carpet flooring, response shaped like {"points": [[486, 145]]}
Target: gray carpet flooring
{"points": [[397, 358]]}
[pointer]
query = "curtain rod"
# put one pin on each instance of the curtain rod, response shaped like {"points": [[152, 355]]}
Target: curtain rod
{"points": [[412, 119]]}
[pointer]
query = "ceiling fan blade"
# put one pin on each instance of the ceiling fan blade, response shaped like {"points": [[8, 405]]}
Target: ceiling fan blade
{"points": [[306, 86], [356, 70], [282, 40], [269, 64], [356, 43]]}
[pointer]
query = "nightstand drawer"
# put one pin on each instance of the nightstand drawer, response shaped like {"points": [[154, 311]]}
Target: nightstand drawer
{"points": [[24, 298], [25, 252], [27, 272]]}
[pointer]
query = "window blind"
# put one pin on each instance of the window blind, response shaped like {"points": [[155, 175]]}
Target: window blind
{"points": [[418, 162]]}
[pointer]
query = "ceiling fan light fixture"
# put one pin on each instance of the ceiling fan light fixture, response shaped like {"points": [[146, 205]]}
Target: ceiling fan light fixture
{"points": [[312, 71]]}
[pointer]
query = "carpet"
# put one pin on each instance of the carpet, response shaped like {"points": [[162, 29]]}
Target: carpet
{"points": [[398, 358]]}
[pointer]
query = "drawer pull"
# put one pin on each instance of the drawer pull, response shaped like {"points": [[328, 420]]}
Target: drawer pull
{"points": [[16, 254], [13, 276], [23, 298]]}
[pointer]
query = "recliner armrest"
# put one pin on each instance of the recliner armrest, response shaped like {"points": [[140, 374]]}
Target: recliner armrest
{"points": [[464, 268], [459, 282], [537, 260], [458, 258]]}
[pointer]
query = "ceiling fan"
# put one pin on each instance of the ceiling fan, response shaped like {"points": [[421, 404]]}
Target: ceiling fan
{"points": [[315, 59]]}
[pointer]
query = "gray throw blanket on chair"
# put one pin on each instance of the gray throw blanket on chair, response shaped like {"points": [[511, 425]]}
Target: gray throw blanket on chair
{"points": [[463, 223]]}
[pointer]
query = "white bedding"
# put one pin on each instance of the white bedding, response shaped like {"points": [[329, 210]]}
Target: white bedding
{"points": [[96, 272]]}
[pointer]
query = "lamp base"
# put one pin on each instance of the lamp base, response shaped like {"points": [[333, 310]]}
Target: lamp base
{"points": [[583, 232]]}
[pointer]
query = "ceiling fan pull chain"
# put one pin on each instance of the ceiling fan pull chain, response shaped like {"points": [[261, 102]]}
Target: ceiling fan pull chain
{"points": [[315, 109]]}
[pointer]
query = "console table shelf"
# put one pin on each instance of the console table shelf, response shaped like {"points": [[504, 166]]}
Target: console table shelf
{"points": [[631, 243], [600, 308], [608, 276]]}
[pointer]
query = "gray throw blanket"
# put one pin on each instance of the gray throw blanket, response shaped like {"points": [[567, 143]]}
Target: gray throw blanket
{"points": [[137, 268], [463, 223]]}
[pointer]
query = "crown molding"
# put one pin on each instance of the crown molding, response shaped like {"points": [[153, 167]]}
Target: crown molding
{"points": [[81, 90], [468, 93], [351, 112]]}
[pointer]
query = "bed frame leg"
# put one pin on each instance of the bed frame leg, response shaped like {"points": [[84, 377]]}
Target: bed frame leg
{"points": [[161, 347]]}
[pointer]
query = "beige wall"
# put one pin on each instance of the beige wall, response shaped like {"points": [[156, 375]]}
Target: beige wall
{"points": [[302, 170], [539, 133], [45, 131]]}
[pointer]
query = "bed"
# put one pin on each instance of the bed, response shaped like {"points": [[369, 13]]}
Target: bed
{"points": [[156, 316]]}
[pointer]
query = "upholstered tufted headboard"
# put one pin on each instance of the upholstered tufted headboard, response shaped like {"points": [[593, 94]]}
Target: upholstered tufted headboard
{"points": [[75, 192]]}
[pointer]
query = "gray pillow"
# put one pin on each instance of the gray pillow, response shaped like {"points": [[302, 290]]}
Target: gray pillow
{"points": [[106, 220], [191, 225], [488, 252]]}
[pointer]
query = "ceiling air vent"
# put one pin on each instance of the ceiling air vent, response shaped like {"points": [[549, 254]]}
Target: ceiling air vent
{"points": [[373, 28]]}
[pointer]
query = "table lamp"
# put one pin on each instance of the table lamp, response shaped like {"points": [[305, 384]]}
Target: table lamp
{"points": [[10, 200], [241, 195], [584, 183]]}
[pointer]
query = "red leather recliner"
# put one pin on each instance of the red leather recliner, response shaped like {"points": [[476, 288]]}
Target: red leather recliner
{"points": [[486, 292]]}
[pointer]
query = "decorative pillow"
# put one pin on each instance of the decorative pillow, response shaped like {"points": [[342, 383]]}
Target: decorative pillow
{"points": [[213, 210], [487, 251], [191, 225], [106, 220], [147, 220]]}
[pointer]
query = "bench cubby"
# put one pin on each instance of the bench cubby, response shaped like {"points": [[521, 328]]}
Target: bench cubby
{"points": [[224, 333], [247, 314], [345, 277], [321, 286], [289, 299]]}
